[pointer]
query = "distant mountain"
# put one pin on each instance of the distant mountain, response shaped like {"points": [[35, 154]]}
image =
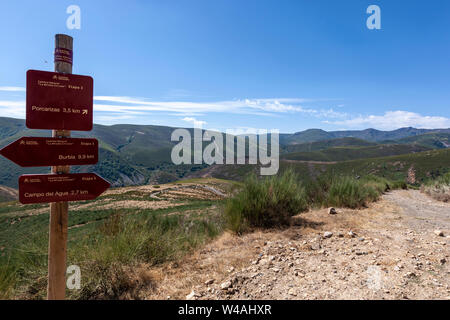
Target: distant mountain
{"points": [[438, 140], [128, 154], [372, 135], [138, 154], [309, 135]]}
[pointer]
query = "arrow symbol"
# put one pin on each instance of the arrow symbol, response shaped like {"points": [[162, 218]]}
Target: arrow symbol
{"points": [[42, 152], [85, 111]]}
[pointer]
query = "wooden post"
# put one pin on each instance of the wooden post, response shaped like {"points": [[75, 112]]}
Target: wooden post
{"points": [[57, 246]]}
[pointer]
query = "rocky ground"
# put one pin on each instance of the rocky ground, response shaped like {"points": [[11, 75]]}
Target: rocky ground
{"points": [[398, 248]]}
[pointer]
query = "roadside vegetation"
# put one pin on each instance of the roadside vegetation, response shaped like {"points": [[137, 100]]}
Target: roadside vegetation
{"points": [[113, 244], [271, 201], [109, 245], [439, 188], [266, 202]]}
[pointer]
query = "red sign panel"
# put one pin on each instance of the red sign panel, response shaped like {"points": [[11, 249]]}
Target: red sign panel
{"points": [[43, 188], [41, 152], [59, 101], [63, 55]]}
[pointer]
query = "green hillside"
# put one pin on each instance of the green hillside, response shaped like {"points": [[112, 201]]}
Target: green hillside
{"points": [[433, 140], [426, 165], [352, 153], [325, 144], [309, 135]]}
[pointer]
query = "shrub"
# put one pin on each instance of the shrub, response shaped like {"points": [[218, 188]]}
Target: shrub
{"points": [[352, 193], [266, 202], [124, 241], [317, 190]]}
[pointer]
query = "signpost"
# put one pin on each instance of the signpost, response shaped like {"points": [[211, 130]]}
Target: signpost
{"points": [[42, 188], [42, 152], [62, 102]]}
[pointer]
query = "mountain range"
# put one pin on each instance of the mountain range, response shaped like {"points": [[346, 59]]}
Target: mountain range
{"points": [[138, 154]]}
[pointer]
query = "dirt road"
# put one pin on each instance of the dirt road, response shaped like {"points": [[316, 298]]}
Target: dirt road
{"points": [[387, 251], [421, 211]]}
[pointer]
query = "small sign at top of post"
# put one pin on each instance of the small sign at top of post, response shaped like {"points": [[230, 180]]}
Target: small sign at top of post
{"points": [[63, 55]]}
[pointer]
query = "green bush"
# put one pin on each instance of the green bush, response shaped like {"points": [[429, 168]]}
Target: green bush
{"points": [[266, 202], [317, 190], [352, 193]]}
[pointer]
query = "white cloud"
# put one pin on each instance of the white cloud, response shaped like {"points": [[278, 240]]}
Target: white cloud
{"points": [[393, 120], [241, 106], [12, 89], [111, 118], [195, 122], [14, 109]]}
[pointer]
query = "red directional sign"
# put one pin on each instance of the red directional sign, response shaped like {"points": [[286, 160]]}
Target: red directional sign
{"points": [[41, 152], [42, 188], [59, 101]]}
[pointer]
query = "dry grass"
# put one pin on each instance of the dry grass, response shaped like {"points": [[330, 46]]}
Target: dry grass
{"points": [[441, 194], [139, 205], [213, 260], [438, 189]]}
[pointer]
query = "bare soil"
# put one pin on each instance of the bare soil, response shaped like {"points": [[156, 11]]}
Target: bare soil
{"points": [[387, 251]]}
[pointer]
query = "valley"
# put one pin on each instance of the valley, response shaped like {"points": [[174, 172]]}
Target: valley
{"points": [[161, 231]]}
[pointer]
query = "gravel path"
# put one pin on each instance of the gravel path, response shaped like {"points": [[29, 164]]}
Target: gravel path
{"points": [[388, 251], [423, 211]]}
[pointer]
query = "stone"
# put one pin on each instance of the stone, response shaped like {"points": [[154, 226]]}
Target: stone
{"points": [[191, 296], [332, 210], [231, 291], [439, 233], [351, 234], [225, 285], [210, 281], [327, 234]]}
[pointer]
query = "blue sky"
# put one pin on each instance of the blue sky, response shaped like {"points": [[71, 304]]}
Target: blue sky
{"points": [[287, 65]]}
